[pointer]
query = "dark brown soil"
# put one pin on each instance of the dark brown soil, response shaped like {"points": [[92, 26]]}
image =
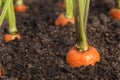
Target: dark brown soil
{"points": [[40, 55]]}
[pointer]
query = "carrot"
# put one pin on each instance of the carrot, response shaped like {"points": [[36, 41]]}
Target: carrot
{"points": [[1, 72], [115, 12], [10, 37], [67, 16], [63, 5], [20, 8], [76, 58], [82, 54], [62, 20], [8, 13]]}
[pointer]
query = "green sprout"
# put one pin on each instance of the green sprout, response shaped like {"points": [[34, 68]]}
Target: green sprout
{"points": [[118, 3], [19, 2], [81, 8], [8, 12], [69, 8]]}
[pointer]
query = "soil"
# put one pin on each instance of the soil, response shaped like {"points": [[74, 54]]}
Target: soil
{"points": [[40, 55]]}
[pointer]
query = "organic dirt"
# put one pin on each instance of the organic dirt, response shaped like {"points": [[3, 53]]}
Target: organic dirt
{"points": [[40, 55]]}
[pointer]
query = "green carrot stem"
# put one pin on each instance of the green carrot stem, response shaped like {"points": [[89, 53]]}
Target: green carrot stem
{"points": [[5, 8], [19, 2], [0, 3], [11, 18], [118, 3], [86, 13], [80, 23], [69, 8], [83, 9]]}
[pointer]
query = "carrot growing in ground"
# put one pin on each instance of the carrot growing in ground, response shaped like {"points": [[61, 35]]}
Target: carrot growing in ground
{"points": [[81, 54], [20, 6], [1, 72], [63, 4], [8, 12], [115, 12], [66, 17]]}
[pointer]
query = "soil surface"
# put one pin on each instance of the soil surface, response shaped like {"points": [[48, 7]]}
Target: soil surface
{"points": [[40, 55]]}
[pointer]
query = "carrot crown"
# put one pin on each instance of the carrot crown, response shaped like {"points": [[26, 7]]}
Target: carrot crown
{"points": [[19, 2]]}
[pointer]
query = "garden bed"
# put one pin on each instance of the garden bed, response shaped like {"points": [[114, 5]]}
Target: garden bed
{"points": [[40, 55]]}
